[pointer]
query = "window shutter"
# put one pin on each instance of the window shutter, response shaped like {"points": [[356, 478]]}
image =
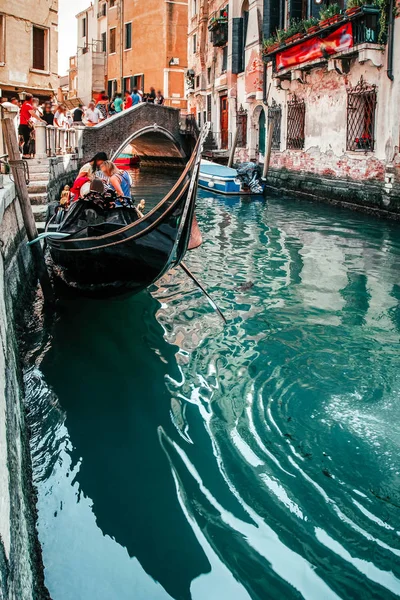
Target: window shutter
{"points": [[132, 82], [296, 9], [271, 17], [237, 45], [110, 89], [38, 48]]}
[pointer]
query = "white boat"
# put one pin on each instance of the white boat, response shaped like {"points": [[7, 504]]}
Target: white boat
{"points": [[222, 180]]}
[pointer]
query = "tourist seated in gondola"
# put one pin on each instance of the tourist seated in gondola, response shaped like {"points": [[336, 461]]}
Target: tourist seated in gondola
{"points": [[76, 189], [119, 181], [92, 168]]}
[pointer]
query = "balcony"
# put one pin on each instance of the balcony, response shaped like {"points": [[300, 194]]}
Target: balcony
{"points": [[219, 35], [341, 37], [103, 11]]}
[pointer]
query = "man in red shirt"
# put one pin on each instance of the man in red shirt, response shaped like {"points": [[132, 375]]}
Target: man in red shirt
{"points": [[128, 100], [26, 112]]}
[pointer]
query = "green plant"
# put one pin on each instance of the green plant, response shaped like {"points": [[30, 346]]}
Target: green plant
{"points": [[355, 3], [268, 43], [311, 22], [281, 35], [329, 11], [294, 27]]}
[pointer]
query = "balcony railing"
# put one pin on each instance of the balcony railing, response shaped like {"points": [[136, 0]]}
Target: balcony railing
{"points": [[362, 28], [219, 34]]}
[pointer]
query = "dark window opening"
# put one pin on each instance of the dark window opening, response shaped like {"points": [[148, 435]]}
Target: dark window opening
{"points": [[84, 31], [296, 124], [197, 81], [361, 105], [39, 48], [128, 36], [112, 3], [112, 41], [194, 44], [104, 42], [224, 59], [209, 75]]}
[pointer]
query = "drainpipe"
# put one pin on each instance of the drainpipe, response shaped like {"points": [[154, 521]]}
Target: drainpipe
{"points": [[390, 42], [121, 45]]}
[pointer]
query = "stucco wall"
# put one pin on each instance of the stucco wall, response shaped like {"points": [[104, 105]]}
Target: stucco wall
{"points": [[21, 574], [17, 70]]}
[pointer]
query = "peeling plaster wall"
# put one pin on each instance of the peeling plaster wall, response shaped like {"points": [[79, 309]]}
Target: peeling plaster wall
{"points": [[21, 574]]}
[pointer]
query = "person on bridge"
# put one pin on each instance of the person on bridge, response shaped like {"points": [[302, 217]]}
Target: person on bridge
{"points": [[136, 98], [159, 98], [118, 103], [128, 100], [119, 181], [93, 115]]}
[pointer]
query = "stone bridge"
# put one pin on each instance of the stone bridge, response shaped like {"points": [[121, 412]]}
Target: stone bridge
{"points": [[152, 131]]}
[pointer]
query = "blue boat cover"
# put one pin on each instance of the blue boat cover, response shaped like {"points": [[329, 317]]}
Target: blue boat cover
{"points": [[213, 169]]}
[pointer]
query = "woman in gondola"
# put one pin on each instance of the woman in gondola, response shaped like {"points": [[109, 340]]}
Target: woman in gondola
{"points": [[119, 181], [92, 168]]}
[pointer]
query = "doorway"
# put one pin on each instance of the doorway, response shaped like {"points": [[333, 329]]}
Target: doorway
{"points": [[224, 122], [261, 133]]}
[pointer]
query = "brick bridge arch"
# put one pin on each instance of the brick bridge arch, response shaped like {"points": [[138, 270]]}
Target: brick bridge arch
{"points": [[150, 125]]}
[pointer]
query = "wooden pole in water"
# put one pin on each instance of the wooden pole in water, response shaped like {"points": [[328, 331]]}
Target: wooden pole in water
{"points": [[18, 172], [234, 144], [268, 153]]}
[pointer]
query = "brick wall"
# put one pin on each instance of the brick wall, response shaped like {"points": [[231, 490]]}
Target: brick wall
{"points": [[116, 131]]}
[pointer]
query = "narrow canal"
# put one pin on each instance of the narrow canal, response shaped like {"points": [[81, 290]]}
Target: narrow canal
{"points": [[178, 458]]}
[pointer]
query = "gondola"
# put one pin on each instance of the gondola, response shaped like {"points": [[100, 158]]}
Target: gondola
{"points": [[101, 250]]}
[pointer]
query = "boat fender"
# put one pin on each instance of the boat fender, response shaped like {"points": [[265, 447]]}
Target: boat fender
{"points": [[211, 184]]}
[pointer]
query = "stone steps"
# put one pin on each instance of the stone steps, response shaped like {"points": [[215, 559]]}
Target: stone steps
{"points": [[39, 212], [40, 176], [37, 187], [38, 168], [38, 198]]}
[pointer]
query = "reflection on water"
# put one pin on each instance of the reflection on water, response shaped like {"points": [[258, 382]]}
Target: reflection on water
{"points": [[176, 458]]}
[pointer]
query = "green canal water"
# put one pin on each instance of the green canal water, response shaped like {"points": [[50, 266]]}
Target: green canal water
{"points": [[178, 458]]}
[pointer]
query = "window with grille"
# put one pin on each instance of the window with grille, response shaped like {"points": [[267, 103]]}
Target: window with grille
{"points": [[241, 124], [361, 104], [295, 124], [128, 36], [2, 39], [40, 48], [224, 59], [112, 40], [275, 117], [209, 107]]}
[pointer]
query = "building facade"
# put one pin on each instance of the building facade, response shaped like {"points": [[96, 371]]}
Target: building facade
{"points": [[146, 47], [91, 61], [329, 89], [29, 48]]}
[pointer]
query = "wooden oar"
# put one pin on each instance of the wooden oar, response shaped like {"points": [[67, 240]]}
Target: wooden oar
{"points": [[207, 295]]}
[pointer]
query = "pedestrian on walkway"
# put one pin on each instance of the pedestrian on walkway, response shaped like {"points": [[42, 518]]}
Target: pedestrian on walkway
{"points": [[24, 129], [136, 99], [77, 115], [60, 117], [151, 96], [48, 114], [128, 100]]}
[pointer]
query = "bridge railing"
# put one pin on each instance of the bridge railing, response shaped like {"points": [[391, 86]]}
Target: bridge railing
{"points": [[56, 141]]}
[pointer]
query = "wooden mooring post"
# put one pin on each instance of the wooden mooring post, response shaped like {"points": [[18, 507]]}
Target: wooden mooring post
{"points": [[18, 172]]}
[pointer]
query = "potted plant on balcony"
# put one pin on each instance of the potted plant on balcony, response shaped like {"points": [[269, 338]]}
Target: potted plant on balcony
{"points": [[281, 36], [354, 7], [295, 31], [330, 15], [311, 25], [270, 45]]}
